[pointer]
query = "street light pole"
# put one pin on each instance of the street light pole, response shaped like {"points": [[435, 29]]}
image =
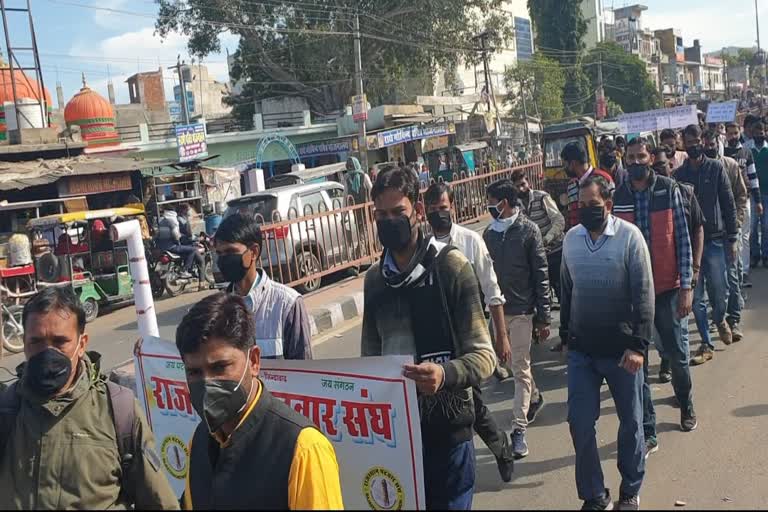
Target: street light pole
{"points": [[182, 85], [759, 51], [362, 145]]}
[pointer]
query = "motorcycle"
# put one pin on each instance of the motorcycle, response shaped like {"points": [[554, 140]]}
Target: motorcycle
{"points": [[166, 269]]}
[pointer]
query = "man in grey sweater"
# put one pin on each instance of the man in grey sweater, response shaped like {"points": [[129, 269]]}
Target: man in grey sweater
{"points": [[607, 317]]}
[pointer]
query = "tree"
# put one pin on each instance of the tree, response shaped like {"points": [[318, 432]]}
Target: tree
{"points": [[625, 78], [560, 28], [305, 48], [541, 81]]}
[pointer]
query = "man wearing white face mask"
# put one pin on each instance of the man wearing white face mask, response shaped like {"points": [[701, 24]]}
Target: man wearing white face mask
{"points": [[520, 261], [266, 455]]}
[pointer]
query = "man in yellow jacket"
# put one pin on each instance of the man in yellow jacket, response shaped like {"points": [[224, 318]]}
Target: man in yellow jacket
{"points": [[251, 451]]}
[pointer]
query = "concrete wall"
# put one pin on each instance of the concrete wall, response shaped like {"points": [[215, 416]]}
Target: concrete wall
{"points": [[135, 114], [592, 11], [209, 94], [147, 89]]}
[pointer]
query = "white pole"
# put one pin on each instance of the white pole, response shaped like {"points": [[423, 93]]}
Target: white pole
{"points": [[142, 291]]}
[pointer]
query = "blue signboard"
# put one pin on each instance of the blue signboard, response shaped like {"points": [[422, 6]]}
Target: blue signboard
{"points": [[190, 138], [174, 111], [523, 38], [324, 148], [190, 98], [409, 133]]}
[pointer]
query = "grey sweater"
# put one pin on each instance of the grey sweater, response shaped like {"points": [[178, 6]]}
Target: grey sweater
{"points": [[608, 300]]}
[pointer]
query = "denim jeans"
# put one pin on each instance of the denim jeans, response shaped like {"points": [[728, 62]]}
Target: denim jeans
{"points": [[649, 411], [671, 341], [714, 276], [585, 376], [746, 231], [449, 476], [760, 231], [735, 298]]}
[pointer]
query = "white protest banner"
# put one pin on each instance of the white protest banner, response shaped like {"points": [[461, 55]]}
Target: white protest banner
{"points": [[370, 413], [161, 385], [724, 112], [652, 120]]}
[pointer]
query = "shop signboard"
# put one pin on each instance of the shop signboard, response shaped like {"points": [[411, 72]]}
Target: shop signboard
{"points": [[359, 108], [328, 147], [410, 133], [190, 138]]}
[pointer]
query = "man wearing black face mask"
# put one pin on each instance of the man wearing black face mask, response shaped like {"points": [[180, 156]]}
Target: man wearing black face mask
{"points": [[655, 205], [519, 258], [439, 203], [611, 163], [250, 451], [576, 163], [715, 195], [62, 441], [422, 299], [282, 324]]}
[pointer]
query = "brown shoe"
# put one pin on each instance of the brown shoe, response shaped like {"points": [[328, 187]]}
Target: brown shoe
{"points": [[703, 355], [726, 336]]}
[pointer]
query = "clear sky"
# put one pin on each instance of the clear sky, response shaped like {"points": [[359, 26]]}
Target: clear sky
{"points": [[74, 39]]}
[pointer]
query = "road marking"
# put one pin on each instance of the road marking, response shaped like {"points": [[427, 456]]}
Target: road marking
{"points": [[339, 330]]}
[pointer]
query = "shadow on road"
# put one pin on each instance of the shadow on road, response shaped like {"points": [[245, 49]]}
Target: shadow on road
{"points": [[751, 411]]}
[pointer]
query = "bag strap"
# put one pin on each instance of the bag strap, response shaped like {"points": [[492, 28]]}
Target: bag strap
{"points": [[444, 299], [121, 403]]}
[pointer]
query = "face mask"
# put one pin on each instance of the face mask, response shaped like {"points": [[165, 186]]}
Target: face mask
{"points": [[638, 172], [440, 220], [695, 152], [608, 161], [570, 173], [711, 152], [217, 401], [495, 211], [47, 372], [662, 169], [231, 266], [733, 143], [592, 217], [394, 234], [759, 140]]}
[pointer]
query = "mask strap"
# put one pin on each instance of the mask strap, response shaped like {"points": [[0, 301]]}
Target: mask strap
{"points": [[240, 382]]}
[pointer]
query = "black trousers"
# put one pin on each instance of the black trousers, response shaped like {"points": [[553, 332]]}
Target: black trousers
{"points": [[554, 260], [486, 426]]}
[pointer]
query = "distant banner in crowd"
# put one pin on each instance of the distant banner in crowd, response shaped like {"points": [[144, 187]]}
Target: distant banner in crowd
{"points": [[163, 393], [190, 139], [652, 120], [365, 407], [408, 134], [724, 112], [370, 413]]}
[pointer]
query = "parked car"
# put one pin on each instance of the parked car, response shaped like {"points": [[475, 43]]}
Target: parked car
{"points": [[293, 250]]}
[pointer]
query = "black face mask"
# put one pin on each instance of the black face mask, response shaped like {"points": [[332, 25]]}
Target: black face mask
{"points": [[711, 153], [218, 401], [638, 172], [231, 267], [759, 140], [733, 143], [608, 161], [47, 372], [494, 211], [592, 217], [662, 169], [394, 234], [695, 152], [440, 220]]}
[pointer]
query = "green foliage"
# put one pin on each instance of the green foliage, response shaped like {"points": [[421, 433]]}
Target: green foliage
{"points": [[625, 78], [541, 81], [305, 48]]}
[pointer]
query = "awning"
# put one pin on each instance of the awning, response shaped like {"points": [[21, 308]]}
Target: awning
{"points": [[472, 146], [20, 175]]}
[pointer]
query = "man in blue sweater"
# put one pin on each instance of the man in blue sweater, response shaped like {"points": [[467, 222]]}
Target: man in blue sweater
{"points": [[607, 317]]}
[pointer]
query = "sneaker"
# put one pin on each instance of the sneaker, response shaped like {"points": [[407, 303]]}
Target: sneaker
{"points": [[665, 372], [184, 275], [534, 408], [688, 421], [519, 444], [651, 446], [602, 503], [724, 330], [506, 463], [736, 333], [703, 355], [628, 502], [712, 327]]}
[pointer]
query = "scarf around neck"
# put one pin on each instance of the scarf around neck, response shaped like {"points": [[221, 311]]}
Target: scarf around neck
{"points": [[419, 268]]}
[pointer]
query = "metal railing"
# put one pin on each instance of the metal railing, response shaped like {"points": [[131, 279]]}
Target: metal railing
{"points": [[303, 249]]}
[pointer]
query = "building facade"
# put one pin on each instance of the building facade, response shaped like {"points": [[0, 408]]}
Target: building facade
{"points": [[630, 34]]}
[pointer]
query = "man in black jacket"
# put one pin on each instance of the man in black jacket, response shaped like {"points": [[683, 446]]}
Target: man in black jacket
{"points": [[715, 195], [520, 262]]}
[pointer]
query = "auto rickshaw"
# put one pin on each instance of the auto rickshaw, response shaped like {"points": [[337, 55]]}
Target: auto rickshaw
{"points": [[556, 137], [75, 249]]}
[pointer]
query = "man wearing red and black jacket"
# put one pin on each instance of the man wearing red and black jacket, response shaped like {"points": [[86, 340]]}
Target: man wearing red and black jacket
{"points": [[577, 167]]}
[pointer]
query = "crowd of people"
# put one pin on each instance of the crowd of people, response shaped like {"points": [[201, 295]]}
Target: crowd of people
{"points": [[653, 235]]}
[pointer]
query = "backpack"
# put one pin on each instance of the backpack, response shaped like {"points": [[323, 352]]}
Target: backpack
{"points": [[123, 417]]}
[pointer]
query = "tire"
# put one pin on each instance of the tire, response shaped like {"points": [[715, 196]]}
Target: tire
{"points": [[157, 285], [12, 331], [172, 286], [91, 307], [307, 262], [208, 272]]}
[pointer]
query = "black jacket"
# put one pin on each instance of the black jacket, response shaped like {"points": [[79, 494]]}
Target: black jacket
{"points": [[520, 262], [715, 195]]}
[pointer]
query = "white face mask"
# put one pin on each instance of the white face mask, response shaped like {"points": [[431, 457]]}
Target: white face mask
{"points": [[500, 225]]}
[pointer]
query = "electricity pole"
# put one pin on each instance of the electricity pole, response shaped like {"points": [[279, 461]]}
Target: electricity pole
{"points": [[762, 56], [362, 145], [182, 86]]}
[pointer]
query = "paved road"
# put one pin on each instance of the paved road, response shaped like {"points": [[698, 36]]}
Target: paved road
{"points": [[721, 465]]}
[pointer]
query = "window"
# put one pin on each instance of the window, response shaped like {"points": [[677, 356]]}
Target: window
{"points": [[315, 201]]}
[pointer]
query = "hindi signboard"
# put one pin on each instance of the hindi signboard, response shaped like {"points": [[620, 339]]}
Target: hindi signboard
{"points": [[190, 139], [359, 108], [365, 407], [724, 112], [409, 133], [653, 120]]}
